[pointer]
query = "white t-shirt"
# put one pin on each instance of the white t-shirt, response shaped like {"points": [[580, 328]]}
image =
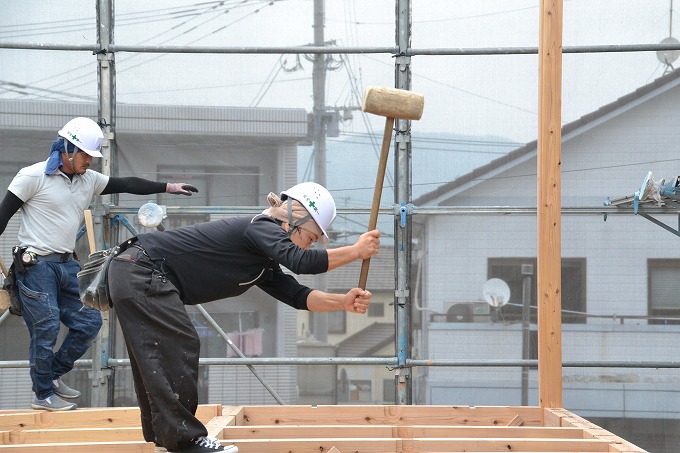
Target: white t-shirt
{"points": [[54, 206]]}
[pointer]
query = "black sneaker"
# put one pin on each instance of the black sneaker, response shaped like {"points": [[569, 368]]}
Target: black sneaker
{"points": [[206, 445]]}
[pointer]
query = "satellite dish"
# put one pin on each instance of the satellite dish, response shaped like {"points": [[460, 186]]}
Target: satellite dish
{"points": [[667, 57], [496, 292]]}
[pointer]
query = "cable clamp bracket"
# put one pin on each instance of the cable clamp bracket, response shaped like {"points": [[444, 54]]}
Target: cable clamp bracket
{"points": [[404, 61], [403, 210]]}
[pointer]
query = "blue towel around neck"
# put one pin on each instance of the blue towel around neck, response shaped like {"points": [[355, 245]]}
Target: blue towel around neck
{"points": [[54, 161]]}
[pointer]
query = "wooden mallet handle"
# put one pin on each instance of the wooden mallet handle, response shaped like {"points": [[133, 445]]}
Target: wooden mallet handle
{"points": [[3, 268], [89, 227], [377, 193]]}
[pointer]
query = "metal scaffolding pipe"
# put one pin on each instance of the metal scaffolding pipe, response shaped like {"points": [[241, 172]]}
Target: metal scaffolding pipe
{"points": [[426, 210], [534, 50], [386, 361], [338, 50]]}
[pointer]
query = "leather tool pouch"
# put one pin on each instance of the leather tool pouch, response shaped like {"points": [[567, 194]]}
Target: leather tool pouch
{"points": [[93, 283], [10, 285]]}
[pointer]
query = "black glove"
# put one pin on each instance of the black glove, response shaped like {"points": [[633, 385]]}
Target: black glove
{"points": [[179, 188]]}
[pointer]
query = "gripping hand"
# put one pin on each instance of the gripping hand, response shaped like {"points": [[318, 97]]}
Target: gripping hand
{"points": [[179, 188]]}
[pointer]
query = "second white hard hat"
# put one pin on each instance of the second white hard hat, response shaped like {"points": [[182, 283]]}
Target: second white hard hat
{"points": [[85, 134]]}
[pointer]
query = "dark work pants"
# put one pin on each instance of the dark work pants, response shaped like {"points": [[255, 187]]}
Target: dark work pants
{"points": [[163, 346]]}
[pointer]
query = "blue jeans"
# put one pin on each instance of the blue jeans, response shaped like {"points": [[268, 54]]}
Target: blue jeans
{"points": [[49, 296]]}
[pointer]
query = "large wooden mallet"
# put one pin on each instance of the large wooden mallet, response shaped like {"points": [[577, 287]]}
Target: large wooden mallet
{"points": [[391, 103]]}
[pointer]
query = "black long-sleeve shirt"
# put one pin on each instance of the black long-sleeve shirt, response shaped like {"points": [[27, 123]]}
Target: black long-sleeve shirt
{"points": [[223, 258]]}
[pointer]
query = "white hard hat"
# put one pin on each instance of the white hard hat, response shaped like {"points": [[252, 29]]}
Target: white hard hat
{"points": [[85, 134], [317, 200]]}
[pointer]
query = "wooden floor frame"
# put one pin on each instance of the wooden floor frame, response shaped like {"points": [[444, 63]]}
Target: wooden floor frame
{"points": [[325, 429]]}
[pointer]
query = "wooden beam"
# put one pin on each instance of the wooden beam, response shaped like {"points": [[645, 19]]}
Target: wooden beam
{"points": [[517, 421], [109, 417], [99, 447], [549, 205], [302, 445], [591, 430], [394, 415], [310, 429], [392, 431], [72, 435], [217, 425]]}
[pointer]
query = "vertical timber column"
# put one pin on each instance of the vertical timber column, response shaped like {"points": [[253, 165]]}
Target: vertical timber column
{"points": [[100, 374], [549, 205], [402, 221]]}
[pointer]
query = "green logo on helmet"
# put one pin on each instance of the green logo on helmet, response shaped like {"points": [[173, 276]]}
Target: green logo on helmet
{"points": [[311, 203], [74, 137]]}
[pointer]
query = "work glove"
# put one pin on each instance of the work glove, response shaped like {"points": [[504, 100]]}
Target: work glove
{"points": [[180, 188]]}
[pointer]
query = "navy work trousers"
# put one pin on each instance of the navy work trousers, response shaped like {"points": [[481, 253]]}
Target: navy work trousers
{"points": [[163, 346]]}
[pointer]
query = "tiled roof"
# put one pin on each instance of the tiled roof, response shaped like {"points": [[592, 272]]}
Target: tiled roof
{"points": [[622, 104], [367, 341], [380, 274]]}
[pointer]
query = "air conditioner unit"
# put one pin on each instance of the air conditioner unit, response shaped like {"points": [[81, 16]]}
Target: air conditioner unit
{"points": [[467, 312], [459, 313]]}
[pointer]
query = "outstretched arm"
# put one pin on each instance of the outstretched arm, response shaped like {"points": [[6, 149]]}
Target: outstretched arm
{"points": [[139, 186], [365, 247], [355, 301]]}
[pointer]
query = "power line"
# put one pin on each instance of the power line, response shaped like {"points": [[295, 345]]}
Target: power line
{"points": [[202, 8]]}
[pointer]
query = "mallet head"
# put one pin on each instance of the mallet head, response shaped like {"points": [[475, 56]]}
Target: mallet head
{"points": [[393, 103]]}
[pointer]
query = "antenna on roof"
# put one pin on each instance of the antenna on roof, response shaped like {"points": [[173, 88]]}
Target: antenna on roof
{"points": [[667, 57], [496, 292]]}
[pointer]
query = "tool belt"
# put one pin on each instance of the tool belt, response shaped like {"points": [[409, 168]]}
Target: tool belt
{"points": [[93, 281]]}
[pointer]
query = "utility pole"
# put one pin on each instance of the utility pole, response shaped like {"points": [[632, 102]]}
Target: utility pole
{"points": [[319, 320]]}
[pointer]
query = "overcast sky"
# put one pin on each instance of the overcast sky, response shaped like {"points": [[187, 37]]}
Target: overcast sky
{"points": [[472, 95]]}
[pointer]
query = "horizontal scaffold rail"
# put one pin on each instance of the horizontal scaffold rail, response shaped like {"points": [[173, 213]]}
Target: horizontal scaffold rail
{"points": [[337, 50], [386, 361], [424, 210]]}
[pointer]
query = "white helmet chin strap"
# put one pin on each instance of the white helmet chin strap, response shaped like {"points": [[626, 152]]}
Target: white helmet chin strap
{"points": [[292, 226], [75, 151]]}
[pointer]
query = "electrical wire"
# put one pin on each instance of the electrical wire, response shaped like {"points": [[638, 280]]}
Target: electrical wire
{"points": [[267, 84], [211, 8]]}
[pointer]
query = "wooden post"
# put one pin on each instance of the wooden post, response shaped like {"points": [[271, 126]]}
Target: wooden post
{"points": [[549, 277]]}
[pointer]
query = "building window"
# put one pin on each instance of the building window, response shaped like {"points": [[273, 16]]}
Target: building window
{"points": [[514, 270], [242, 328], [337, 322], [218, 185], [376, 310], [662, 285], [389, 391], [360, 391]]}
